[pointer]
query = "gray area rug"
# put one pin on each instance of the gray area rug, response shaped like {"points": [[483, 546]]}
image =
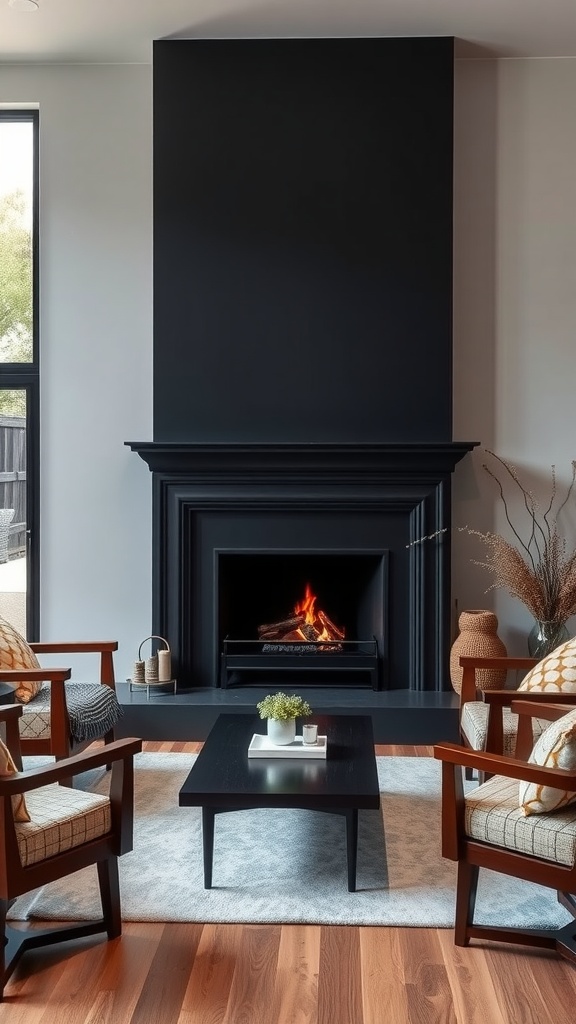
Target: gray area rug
{"points": [[289, 866]]}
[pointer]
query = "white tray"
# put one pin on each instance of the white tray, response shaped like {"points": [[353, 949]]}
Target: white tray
{"points": [[261, 746]]}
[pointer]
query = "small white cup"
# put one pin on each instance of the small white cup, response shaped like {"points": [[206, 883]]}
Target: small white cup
{"points": [[309, 735]]}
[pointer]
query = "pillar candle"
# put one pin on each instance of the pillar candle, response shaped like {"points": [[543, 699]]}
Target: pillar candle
{"points": [[164, 666]]}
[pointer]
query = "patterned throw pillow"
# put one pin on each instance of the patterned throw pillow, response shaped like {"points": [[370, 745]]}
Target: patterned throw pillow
{"points": [[15, 653], [556, 672], [7, 767], [555, 748]]}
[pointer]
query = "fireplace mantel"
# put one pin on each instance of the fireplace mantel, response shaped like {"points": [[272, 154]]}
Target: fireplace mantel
{"points": [[321, 461]]}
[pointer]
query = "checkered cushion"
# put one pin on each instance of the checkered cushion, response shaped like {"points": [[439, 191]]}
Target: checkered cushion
{"points": [[474, 725], [93, 710], [493, 816], [62, 818]]}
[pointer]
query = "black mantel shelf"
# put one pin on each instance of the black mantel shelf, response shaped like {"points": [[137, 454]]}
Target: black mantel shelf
{"points": [[394, 459]]}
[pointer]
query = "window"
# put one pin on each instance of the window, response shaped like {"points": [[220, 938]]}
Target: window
{"points": [[19, 401]]}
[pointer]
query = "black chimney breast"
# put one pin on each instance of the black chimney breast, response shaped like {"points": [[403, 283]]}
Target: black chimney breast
{"points": [[303, 240]]}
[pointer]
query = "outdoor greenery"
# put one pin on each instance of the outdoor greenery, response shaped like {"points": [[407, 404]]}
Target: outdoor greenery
{"points": [[283, 707], [15, 294]]}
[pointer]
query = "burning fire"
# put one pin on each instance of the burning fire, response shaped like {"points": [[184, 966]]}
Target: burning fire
{"points": [[316, 626], [305, 624]]}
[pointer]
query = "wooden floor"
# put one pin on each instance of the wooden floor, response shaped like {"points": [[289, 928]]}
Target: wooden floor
{"points": [[268, 974]]}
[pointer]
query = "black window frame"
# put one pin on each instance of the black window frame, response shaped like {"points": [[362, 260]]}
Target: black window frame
{"points": [[26, 377]]}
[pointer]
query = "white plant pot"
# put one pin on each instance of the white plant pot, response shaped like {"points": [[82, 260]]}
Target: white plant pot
{"points": [[280, 731]]}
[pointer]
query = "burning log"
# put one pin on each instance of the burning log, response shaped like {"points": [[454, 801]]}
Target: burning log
{"points": [[337, 634], [284, 626]]}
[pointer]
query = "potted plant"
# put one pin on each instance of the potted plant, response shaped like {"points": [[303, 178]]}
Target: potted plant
{"points": [[282, 710]]}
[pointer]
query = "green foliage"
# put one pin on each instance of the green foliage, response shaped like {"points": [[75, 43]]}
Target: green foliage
{"points": [[15, 281], [282, 707], [13, 402]]}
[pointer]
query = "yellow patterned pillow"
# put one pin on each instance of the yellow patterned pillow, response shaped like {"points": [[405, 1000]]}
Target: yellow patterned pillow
{"points": [[7, 767], [556, 672], [555, 748], [15, 653]]}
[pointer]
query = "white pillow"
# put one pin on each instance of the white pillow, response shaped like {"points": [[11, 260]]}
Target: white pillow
{"points": [[555, 748]]}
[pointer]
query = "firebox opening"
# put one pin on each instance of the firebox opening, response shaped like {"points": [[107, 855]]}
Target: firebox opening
{"points": [[258, 589]]}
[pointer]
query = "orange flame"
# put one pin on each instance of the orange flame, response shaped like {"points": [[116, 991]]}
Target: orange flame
{"points": [[306, 607]]}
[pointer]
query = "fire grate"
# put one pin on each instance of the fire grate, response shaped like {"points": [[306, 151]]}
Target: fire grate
{"points": [[243, 662]]}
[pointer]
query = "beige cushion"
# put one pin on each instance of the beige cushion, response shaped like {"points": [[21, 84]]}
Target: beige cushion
{"points": [[7, 767], [555, 673], [474, 726], [62, 818], [15, 653], [34, 722], [493, 816], [556, 748]]}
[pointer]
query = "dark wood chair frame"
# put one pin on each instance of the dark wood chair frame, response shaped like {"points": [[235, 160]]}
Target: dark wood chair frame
{"points": [[471, 854], [61, 744], [15, 880]]}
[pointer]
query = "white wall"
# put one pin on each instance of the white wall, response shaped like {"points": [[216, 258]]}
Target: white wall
{"points": [[96, 348], [514, 318], [515, 298]]}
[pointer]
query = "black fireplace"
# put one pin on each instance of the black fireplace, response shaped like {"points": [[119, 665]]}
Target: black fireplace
{"points": [[240, 530]]}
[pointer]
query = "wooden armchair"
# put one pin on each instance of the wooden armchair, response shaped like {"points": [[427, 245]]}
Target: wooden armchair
{"points": [[65, 717], [486, 720], [492, 809], [98, 829]]}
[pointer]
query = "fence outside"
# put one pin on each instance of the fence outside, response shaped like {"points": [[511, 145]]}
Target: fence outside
{"points": [[13, 479]]}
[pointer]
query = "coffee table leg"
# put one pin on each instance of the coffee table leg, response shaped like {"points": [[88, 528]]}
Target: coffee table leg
{"points": [[352, 846], [208, 816]]}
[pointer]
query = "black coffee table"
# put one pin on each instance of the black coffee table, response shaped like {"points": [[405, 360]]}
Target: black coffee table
{"points": [[224, 778]]}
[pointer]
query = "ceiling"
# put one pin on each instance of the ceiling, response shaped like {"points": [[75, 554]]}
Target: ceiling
{"points": [[103, 31]]}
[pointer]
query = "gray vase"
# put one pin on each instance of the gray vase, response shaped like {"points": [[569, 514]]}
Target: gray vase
{"points": [[545, 637]]}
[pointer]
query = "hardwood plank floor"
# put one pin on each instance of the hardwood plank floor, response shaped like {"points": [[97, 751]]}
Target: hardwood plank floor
{"points": [[293, 974]]}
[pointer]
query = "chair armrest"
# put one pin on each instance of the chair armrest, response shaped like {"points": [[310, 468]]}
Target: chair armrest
{"points": [[105, 648], [34, 778], [538, 709], [74, 647], [505, 662], [510, 767], [13, 675]]}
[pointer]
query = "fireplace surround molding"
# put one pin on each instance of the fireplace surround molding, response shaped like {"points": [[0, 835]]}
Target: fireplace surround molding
{"points": [[375, 500]]}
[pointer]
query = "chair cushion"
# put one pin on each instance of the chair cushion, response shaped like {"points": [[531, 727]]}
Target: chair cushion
{"points": [[492, 815], [7, 767], [62, 818], [16, 653], [555, 673], [93, 709], [474, 725], [556, 748]]}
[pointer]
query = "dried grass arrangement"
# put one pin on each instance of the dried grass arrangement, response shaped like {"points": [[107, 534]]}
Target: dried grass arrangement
{"points": [[540, 570]]}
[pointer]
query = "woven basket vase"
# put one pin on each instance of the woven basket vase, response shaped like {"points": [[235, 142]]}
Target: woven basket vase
{"points": [[478, 638]]}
